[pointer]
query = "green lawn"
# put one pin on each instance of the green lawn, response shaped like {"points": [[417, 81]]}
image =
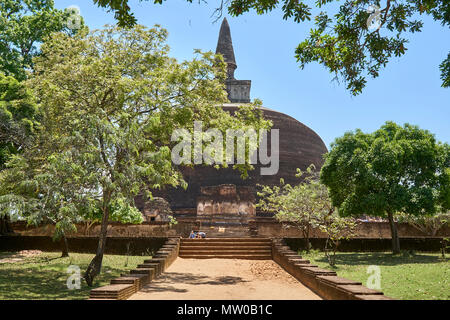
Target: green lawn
{"points": [[45, 276], [420, 276]]}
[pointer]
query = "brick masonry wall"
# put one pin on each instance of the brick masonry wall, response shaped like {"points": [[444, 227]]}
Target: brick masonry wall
{"points": [[147, 245], [271, 228], [371, 245], [323, 282], [114, 245], [262, 227]]}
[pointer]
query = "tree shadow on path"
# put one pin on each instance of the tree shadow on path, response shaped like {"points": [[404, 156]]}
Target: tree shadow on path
{"points": [[168, 281]]}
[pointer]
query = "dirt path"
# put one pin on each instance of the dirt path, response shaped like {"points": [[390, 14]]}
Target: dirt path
{"points": [[225, 279]]}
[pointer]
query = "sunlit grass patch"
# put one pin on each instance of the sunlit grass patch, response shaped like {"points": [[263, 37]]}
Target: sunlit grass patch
{"points": [[45, 276], [410, 275]]}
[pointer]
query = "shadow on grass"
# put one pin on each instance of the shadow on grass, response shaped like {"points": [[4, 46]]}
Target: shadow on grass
{"points": [[380, 258], [46, 278]]}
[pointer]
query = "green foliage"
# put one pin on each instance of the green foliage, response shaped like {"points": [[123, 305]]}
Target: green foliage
{"points": [[341, 39], [172, 221], [428, 224], [120, 211], [24, 24], [125, 212], [336, 228], [36, 189], [18, 112], [445, 72], [395, 169], [306, 206], [301, 206], [122, 13], [109, 103]]}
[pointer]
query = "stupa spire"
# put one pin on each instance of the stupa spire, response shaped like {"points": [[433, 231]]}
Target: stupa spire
{"points": [[238, 90], [225, 48]]}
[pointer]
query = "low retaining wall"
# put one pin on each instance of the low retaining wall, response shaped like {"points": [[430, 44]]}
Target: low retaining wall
{"points": [[114, 245], [270, 228], [427, 244], [261, 227], [324, 283], [147, 245], [128, 284], [115, 229]]}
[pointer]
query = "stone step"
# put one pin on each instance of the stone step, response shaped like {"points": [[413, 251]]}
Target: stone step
{"points": [[225, 244], [223, 252], [230, 256], [157, 266], [227, 240], [225, 248], [155, 260], [151, 272], [237, 250], [113, 291]]}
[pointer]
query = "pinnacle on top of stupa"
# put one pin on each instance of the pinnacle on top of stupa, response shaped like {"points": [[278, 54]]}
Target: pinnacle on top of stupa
{"points": [[238, 90], [225, 47]]}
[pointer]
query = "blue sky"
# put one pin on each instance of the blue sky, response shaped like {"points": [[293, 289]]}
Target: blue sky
{"points": [[408, 89]]}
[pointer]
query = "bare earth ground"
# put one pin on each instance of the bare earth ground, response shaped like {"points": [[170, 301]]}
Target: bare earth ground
{"points": [[225, 279]]}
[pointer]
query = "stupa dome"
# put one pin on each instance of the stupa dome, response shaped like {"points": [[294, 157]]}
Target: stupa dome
{"points": [[299, 147]]}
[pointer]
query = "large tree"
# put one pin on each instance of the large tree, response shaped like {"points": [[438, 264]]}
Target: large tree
{"points": [[110, 101], [396, 169], [354, 39], [23, 26], [18, 121]]}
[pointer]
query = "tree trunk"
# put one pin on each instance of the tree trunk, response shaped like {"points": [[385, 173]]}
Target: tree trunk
{"points": [[306, 236], [394, 233], [65, 247], [5, 226], [96, 264]]}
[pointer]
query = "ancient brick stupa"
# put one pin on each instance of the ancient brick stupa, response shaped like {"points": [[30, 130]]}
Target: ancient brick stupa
{"points": [[222, 197]]}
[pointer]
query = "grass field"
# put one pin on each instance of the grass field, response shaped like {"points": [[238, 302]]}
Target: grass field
{"points": [[412, 276], [44, 276]]}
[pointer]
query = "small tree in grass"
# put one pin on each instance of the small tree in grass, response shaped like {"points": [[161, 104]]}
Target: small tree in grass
{"points": [[301, 205], [110, 101], [38, 192], [337, 228], [307, 206], [395, 169]]}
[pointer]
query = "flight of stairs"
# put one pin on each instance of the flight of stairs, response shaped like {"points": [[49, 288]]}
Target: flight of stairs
{"points": [[226, 248]]}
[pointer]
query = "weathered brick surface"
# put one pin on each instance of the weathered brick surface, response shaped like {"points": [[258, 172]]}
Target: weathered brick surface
{"points": [[323, 282], [372, 297], [113, 291], [127, 284], [156, 266], [227, 248]]}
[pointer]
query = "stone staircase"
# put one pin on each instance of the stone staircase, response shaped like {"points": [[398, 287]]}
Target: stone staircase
{"points": [[226, 248]]}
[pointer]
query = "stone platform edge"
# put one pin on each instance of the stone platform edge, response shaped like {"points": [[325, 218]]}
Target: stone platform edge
{"points": [[324, 283], [126, 285]]}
